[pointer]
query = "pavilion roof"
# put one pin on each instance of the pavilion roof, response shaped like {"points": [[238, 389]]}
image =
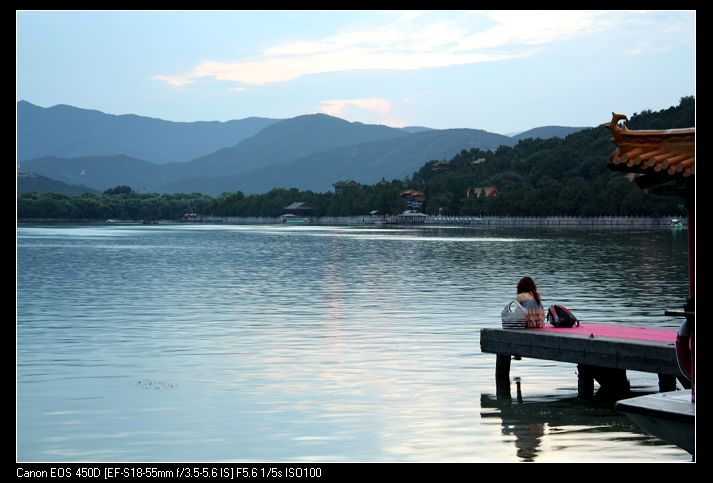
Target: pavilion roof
{"points": [[669, 152]]}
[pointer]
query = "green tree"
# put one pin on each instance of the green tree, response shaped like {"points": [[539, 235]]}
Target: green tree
{"points": [[119, 190]]}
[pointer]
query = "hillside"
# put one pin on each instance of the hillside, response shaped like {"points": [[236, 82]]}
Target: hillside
{"points": [[41, 184], [415, 129], [553, 176], [286, 141], [365, 163], [534, 178], [99, 172], [68, 132], [546, 132]]}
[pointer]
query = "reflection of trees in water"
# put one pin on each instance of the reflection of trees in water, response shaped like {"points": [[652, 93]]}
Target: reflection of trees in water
{"points": [[527, 420]]}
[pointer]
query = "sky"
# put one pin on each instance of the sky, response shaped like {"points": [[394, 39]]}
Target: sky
{"points": [[502, 71]]}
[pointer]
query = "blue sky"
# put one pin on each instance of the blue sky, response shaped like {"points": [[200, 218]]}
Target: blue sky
{"points": [[499, 71]]}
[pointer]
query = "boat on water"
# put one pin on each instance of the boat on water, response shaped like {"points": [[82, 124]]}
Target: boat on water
{"points": [[670, 416], [676, 224], [290, 218]]}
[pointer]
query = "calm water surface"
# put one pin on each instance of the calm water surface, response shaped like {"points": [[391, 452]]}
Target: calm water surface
{"points": [[284, 343]]}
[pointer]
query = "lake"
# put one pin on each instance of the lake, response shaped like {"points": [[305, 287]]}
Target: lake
{"points": [[307, 343]]}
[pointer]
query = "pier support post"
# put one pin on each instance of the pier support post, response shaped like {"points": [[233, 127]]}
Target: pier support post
{"points": [[585, 386], [502, 377], [667, 382], [502, 365], [502, 388], [613, 383]]}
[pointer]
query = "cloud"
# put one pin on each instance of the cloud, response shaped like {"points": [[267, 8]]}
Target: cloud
{"points": [[633, 50], [336, 107], [174, 80], [411, 42]]}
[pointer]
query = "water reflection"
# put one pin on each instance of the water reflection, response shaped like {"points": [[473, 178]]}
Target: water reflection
{"points": [[536, 425], [316, 343], [528, 434]]}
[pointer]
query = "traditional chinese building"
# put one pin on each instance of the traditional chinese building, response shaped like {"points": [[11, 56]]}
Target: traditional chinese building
{"points": [[665, 162], [439, 166], [487, 192], [414, 199], [299, 208], [343, 186]]}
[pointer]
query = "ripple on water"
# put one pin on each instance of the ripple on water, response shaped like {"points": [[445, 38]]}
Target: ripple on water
{"points": [[318, 343]]}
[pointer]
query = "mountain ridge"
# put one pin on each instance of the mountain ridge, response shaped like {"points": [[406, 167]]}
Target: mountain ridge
{"points": [[310, 151], [67, 131]]}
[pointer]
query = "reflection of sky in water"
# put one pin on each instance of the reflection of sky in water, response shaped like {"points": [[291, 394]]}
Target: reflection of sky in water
{"points": [[196, 342]]}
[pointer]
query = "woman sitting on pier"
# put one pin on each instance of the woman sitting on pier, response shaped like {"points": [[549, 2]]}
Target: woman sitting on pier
{"points": [[529, 298]]}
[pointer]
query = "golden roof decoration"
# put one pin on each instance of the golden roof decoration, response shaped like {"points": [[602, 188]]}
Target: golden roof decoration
{"points": [[672, 151]]}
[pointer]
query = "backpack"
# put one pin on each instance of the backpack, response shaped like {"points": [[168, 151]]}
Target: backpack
{"points": [[560, 316], [514, 316]]}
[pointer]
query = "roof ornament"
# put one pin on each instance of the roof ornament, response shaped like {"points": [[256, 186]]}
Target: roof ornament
{"points": [[614, 125]]}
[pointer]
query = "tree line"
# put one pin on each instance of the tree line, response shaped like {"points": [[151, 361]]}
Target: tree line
{"points": [[536, 177]]}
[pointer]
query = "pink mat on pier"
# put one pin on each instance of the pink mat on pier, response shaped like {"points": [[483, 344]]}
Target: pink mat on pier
{"points": [[620, 332]]}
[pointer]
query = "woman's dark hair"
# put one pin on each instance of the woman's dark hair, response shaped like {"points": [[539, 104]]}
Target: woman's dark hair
{"points": [[526, 284]]}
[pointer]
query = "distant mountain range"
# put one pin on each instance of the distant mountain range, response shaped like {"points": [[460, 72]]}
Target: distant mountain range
{"points": [[69, 132], [286, 141], [43, 184], [99, 172], [365, 163], [414, 129], [546, 132], [79, 146]]}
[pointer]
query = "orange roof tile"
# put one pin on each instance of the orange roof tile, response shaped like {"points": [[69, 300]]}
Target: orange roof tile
{"points": [[672, 151]]}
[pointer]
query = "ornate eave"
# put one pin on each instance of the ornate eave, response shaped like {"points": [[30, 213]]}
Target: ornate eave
{"points": [[667, 154]]}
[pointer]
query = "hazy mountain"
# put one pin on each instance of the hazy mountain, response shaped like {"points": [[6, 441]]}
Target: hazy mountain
{"points": [[546, 132], [285, 141], [415, 129], [66, 131], [41, 184], [307, 152], [99, 172], [365, 163], [281, 142]]}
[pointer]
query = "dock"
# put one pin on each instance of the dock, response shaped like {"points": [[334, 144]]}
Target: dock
{"points": [[602, 352]]}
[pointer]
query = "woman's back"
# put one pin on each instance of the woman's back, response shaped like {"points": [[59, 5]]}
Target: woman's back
{"points": [[529, 298]]}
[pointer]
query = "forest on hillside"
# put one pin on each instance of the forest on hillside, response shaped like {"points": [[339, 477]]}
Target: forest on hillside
{"points": [[536, 177]]}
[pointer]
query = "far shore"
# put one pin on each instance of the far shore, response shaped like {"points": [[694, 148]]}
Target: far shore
{"points": [[393, 220]]}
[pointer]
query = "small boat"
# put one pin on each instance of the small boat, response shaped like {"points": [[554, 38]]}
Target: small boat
{"points": [[676, 224], [670, 416], [290, 218]]}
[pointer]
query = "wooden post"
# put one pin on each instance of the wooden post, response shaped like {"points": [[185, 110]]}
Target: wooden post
{"points": [[502, 377], [613, 383], [502, 365], [585, 386], [502, 388], [667, 382]]}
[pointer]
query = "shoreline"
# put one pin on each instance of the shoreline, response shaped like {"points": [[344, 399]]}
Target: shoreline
{"points": [[431, 221]]}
